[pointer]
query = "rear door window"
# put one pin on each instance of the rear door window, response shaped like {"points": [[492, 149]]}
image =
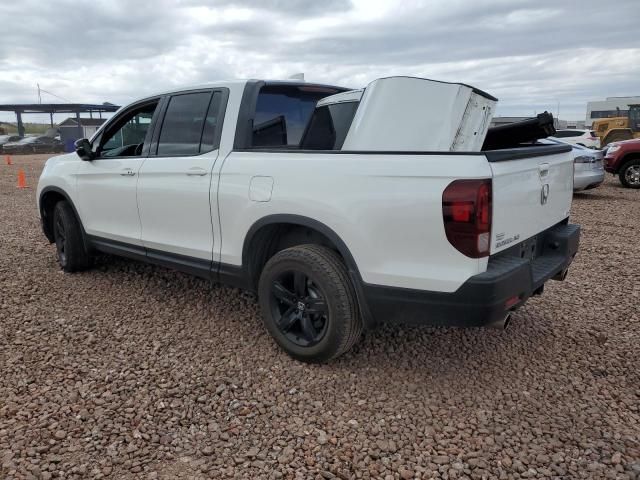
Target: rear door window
{"points": [[183, 124], [212, 124]]}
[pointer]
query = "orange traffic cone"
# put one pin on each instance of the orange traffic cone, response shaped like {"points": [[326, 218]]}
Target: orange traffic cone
{"points": [[22, 179], [7, 159]]}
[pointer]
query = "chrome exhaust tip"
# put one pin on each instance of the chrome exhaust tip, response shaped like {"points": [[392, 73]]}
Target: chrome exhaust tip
{"points": [[501, 324], [561, 275]]}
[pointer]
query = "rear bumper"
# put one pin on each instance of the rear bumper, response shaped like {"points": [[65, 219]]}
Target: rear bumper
{"points": [[587, 179], [484, 299]]}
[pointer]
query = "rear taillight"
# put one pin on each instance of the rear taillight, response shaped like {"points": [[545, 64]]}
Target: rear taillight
{"points": [[466, 210]]}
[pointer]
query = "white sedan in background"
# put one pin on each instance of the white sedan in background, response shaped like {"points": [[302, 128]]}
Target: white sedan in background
{"points": [[588, 169], [585, 138]]}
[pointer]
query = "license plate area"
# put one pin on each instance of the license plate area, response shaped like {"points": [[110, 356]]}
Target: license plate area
{"points": [[528, 248]]}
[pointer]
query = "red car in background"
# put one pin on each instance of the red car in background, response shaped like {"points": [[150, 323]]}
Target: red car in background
{"points": [[623, 159]]}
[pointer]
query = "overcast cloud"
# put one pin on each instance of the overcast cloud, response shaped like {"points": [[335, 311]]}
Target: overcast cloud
{"points": [[531, 54]]}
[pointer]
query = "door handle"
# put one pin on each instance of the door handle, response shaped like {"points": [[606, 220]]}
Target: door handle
{"points": [[195, 171], [128, 173]]}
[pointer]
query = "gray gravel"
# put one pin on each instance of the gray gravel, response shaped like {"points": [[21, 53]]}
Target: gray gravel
{"points": [[132, 371]]}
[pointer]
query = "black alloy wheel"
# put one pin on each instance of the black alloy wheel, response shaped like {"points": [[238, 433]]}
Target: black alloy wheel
{"points": [[308, 303], [299, 308]]}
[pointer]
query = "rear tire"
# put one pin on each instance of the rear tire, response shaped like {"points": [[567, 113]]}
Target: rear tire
{"points": [[630, 174], [67, 233], [308, 303]]}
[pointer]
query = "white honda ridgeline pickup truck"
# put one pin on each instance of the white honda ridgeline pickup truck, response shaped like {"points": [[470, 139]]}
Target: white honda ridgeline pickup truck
{"points": [[340, 208]]}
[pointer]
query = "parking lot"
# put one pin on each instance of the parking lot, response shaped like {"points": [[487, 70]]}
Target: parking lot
{"points": [[134, 371]]}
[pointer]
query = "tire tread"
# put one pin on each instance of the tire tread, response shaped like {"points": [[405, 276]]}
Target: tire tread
{"points": [[78, 258], [333, 268]]}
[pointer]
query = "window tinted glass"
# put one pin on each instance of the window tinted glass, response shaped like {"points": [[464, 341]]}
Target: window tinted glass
{"points": [[126, 136], [182, 125], [566, 133], [608, 113], [329, 126], [634, 118], [212, 123], [282, 113]]}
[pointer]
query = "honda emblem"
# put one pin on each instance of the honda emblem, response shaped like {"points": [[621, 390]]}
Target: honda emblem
{"points": [[544, 194]]}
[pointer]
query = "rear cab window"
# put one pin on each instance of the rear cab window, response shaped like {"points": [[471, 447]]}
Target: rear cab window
{"points": [[329, 126], [282, 113]]}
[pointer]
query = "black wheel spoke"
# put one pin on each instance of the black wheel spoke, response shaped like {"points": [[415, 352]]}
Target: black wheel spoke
{"points": [[283, 294], [316, 306], [300, 311], [299, 284], [306, 327], [288, 318], [60, 228]]}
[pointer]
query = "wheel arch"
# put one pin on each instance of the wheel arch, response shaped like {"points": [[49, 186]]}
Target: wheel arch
{"points": [[274, 233], [49, 197], [629, 157]]}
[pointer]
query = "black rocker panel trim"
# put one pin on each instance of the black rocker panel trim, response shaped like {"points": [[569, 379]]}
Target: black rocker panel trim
{"points": [[194, 266]]}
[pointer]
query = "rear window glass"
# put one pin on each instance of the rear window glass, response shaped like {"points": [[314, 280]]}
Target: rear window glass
{"points": [[282, 113], [329, 126], [183, 124], [567, 133]]}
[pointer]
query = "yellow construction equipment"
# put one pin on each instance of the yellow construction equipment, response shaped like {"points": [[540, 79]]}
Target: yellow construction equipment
{"points": [[617, 129]]}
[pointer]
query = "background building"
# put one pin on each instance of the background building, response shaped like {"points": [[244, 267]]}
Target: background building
{"points": [[69, 131], [611, 107]]}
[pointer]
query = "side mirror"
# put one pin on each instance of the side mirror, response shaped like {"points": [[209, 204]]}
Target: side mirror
{"points": [[83, 149]]}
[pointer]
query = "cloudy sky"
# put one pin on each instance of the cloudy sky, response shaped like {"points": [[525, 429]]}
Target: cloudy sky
{"points": [[531, 54]]}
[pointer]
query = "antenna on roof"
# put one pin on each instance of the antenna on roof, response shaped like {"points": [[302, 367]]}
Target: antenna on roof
{"points": [[297, 76]]}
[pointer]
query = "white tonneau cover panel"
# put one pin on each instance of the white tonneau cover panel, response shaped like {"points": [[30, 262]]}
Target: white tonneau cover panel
{"points": [[415, 114]]}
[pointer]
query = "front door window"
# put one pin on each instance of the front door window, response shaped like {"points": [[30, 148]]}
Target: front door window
{"points": [[126, 137]]}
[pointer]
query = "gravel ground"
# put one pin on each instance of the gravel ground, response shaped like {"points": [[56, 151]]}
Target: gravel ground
{"points": [[131, 371]]}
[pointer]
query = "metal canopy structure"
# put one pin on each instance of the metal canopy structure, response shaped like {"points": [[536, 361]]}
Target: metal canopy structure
{"points": [[24, 108]]}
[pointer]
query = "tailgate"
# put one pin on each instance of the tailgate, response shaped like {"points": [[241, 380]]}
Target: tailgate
{"points": [[532, 190]]}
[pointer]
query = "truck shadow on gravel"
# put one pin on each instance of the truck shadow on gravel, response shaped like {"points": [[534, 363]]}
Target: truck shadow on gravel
{"points": [[588, 196], [436, 351]]}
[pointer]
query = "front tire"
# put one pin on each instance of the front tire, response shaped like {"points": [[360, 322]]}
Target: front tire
{"points": [[630, 174], [308, 303], [67, 233]]}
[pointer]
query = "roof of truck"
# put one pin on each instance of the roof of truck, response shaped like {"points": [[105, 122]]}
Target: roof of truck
{"points": [[241, 82]]}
